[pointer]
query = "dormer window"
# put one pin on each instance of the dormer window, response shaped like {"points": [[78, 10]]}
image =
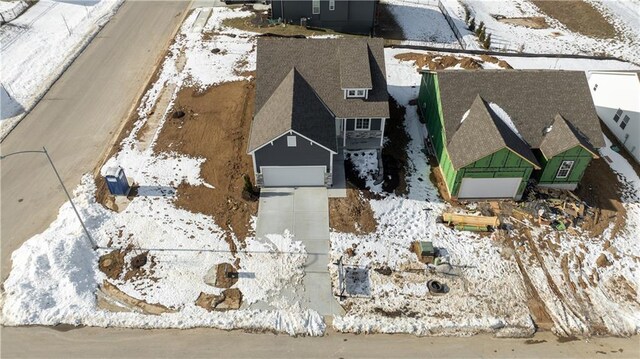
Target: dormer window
{"points": [[356, 93]]}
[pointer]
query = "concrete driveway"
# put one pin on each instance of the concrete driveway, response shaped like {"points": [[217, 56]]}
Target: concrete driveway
{"points": [[305, 213]]}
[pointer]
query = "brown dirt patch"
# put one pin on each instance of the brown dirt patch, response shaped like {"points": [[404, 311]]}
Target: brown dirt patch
{"points": [[536, 22], [215, 126], [222, 279], [536, 305], [602, 261], [258, 23], [349, 214], [441, 62], [112, 263], [578, 16], [600, 189], [495, 60], [229, 299]]}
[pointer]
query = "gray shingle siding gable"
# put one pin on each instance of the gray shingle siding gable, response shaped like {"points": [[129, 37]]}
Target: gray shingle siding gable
{"points": [[305, 153]]}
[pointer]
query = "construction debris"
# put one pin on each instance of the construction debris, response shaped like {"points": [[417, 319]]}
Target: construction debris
{"points": [[471, 222]]}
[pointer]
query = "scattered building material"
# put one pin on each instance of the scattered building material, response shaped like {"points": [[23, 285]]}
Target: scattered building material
{"points": [[469, 222]]}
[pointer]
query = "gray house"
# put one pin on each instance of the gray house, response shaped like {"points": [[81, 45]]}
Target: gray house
{"points": [[315, 97], [351, 16]]}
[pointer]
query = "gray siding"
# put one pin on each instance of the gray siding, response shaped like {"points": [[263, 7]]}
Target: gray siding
{"points": [[353, 16], [305, 153]]}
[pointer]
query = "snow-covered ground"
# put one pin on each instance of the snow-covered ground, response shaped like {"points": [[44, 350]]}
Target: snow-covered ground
{"points": [[9, 10], [557, 39], [537, 63], [486, 288], [422, 21], [55, 274], [486, 291], [583, 296], [39, 45]]}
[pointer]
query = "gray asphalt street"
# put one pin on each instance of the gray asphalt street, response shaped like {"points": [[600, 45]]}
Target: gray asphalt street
{"points": [[79, 116], [40, 342]]}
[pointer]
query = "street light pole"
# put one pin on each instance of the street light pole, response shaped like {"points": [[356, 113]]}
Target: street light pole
{"points": [[44, 150]]}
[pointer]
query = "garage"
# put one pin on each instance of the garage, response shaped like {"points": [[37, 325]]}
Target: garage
{"points": [[293, 176], [489, 187]]}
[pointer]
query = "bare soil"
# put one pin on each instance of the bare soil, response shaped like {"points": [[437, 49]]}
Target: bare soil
{"points": [[222, 279], [578, 16], [258, 23], [352, 214], [215, 126], [441, 62], [600, 189], [229, 299], [536, 22]]}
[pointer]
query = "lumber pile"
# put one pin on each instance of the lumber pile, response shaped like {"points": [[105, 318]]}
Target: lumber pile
{"points": [[470, 222]]}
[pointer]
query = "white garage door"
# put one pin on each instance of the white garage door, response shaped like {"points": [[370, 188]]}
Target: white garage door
{"points": [[489, 187], [293, 176]]}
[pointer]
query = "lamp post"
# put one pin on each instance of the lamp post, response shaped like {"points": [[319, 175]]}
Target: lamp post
{"points": [[44, 151]]}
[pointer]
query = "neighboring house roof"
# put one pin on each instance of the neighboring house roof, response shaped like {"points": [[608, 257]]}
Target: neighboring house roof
{"points": [[531, 98], [561, 136], [319, 61], [293, 106], [481, 122]]}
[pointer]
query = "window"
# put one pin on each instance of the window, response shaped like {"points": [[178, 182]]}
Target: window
{"points": [[291, 141], [624, 122], [564, 170], [357, 93], [616, 117], [332, 5], [363, 124], [315, 7]]}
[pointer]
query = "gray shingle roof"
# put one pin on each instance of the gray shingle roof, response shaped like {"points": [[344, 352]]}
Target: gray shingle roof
{"points": [[532, 98], [483, 123], [318, 62], [561, 137], [293, 106], [355, 70]]}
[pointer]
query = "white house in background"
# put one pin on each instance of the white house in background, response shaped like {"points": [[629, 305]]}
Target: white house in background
{"points": [[616, 95]]}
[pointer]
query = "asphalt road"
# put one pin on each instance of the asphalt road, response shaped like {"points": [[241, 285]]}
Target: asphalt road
{"points": [[79, 116], [41, 342]]}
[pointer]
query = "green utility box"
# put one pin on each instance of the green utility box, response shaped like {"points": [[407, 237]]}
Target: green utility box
{"points": [[425, 251]]}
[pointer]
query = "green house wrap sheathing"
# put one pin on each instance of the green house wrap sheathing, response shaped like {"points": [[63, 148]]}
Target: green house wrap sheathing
{"points": [[580, 157], [501, 164], [431, 115], [504, 163]]}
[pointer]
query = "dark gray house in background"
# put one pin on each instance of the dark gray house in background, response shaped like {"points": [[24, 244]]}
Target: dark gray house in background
{"points": [[351, 16], [315, 97]]}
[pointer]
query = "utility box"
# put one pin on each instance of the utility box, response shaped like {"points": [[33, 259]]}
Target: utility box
{"points": [[117, 181], [425, 251]]}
